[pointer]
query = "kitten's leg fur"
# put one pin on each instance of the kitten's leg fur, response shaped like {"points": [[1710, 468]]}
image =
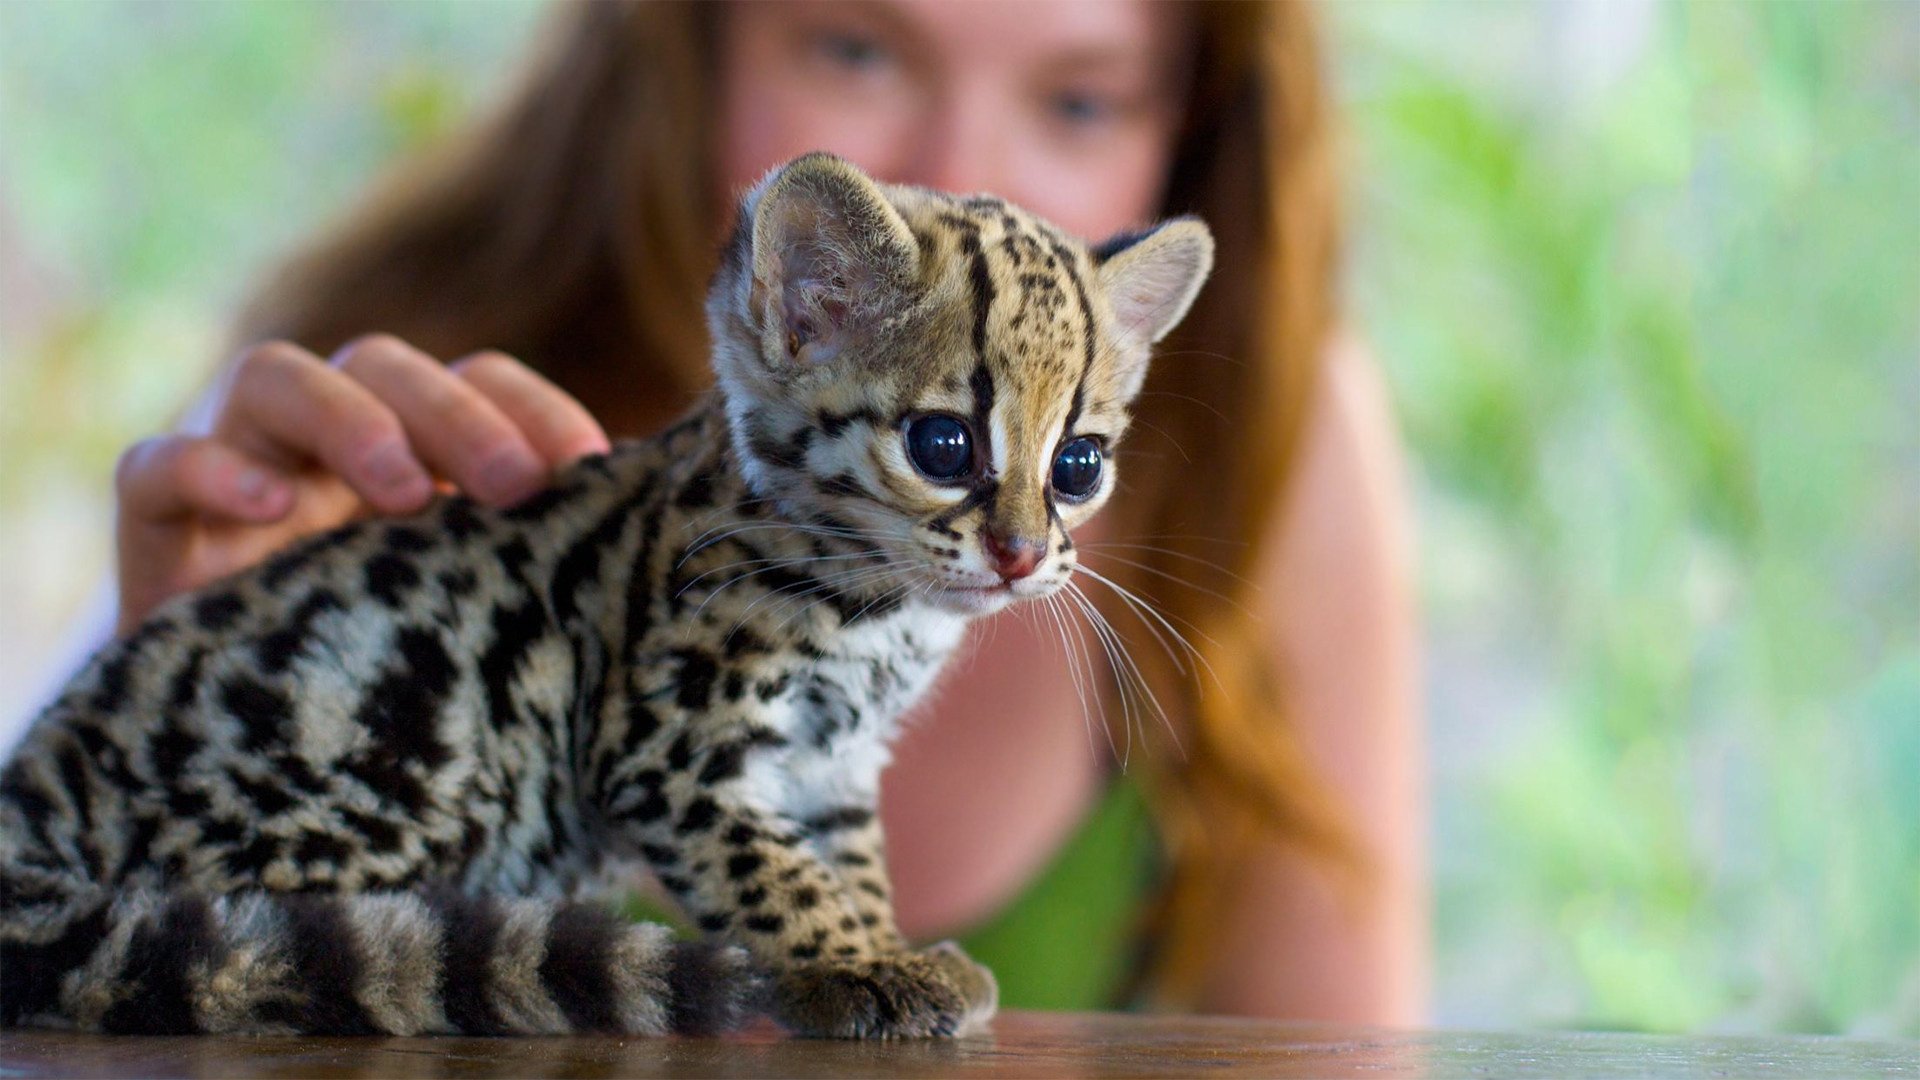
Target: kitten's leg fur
{"points": [[857, 852], [832, 975]]}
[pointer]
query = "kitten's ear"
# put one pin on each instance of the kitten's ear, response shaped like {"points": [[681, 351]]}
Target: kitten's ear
{"points": [[829, 255], [1152, 277]]}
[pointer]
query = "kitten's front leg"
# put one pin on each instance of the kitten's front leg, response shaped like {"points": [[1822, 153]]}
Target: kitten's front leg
{"points": [[837, 965], [851, 842]]}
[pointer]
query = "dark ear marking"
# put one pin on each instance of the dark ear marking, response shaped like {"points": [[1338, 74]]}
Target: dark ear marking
{"points": [[1121, 241]]}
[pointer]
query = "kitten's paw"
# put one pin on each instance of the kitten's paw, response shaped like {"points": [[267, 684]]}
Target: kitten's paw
{"points": [[908, 996], [974, 982]]}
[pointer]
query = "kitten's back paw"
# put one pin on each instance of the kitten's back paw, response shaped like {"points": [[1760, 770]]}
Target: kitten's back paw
{"points": [[893, 997]]}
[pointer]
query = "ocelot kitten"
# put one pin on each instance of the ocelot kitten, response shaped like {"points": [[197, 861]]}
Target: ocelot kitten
{"points": [[353, 789]]}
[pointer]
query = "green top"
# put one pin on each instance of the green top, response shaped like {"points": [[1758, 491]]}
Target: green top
{"points": [[1069, 941]]}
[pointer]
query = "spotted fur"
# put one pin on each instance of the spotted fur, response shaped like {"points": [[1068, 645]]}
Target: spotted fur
{"points": [[354, 789]]}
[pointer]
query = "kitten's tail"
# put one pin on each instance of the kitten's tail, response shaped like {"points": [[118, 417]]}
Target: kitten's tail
{"points": [[392, 963]]}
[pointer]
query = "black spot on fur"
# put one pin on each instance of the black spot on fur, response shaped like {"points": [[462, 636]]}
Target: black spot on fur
{"points": [[276, 651], [581, 562], [743, 865], [389, 578], [715, 922], [217, 611], [833, 424], [788, 453], [381, 835], [743, 642], [407, 539], [402, 710], [680, 754], [700, 814], [461, 518], [265, 796], [545, 503], [171, 748], [514, 555], [33, 972], [652, 808], [161, 956], [695, 678], [845, 485], [114, 681], [752, 896], [184, 688], [515, 630], [459, 583], [764, 923], [724, 762], [580, 943], [251, 861], [318, 847], [265, 714]]}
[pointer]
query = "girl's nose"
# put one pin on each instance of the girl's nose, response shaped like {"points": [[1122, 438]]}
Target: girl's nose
{"points": [[961, 147]]}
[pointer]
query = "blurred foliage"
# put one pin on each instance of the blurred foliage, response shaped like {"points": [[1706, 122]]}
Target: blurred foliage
{"points": [[1644, 278]]}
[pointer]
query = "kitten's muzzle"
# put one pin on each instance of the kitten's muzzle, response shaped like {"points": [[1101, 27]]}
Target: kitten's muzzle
{"points": [[1013, 557]]}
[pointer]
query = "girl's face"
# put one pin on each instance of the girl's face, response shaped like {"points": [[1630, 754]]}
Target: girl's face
{"points": [[1068, 107]]}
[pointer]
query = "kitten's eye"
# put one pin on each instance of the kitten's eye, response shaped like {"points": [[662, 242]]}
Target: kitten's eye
{"points": [[940, 447], [1076, 471]]}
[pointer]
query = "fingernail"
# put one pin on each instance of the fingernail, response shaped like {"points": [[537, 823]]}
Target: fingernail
{"points": [[253, 485], [511, 475], [391, 467]]}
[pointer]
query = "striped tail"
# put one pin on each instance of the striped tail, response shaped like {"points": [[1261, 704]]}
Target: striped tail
{"points": [[393, 963]]}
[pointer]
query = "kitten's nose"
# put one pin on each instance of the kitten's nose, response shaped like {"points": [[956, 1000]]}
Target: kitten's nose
{"points": [[1015, 557]]}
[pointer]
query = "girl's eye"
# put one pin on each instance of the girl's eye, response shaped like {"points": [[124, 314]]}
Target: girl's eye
{"points": [[1076, 471], [1081, 108], [941, 447], [851, 51]]}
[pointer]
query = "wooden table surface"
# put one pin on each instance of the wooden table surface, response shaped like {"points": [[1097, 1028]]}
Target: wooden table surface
{"points": [[1022, 1044]]}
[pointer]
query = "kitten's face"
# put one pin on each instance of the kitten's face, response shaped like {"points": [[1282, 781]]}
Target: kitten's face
{"points": [[946, 377]]}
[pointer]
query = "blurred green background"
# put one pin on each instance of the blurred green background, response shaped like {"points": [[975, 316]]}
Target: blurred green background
{"points": [[1646, 281]]}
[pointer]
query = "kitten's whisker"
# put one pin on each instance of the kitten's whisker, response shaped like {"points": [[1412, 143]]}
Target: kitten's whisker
{"points": [[888, 566], [1141, 606], [1117, 662], [857, 576], [1139, 678], [1052, 609], [1103, 545], [1175, 578], [729, 530]]}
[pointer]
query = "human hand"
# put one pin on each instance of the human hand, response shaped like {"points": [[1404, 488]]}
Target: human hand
{"points": [[299, 445]]}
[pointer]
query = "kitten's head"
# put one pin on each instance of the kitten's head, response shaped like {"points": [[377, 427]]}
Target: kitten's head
{"points": [[948, 376]]}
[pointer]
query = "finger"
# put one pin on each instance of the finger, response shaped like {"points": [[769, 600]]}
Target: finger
{"points": [[289, 408], [559, 427], [178, 476], [451, 425]]}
